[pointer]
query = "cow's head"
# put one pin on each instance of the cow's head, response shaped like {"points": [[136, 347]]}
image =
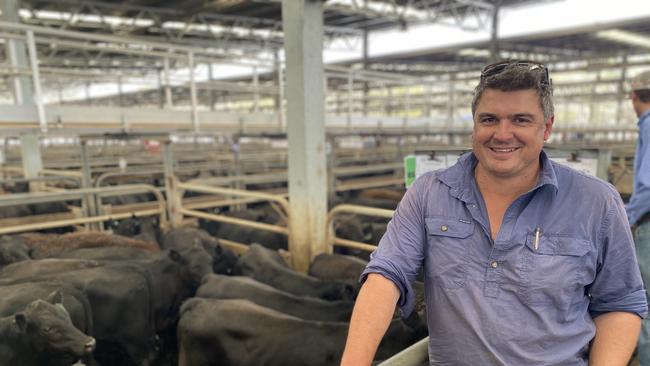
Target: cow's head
{"points": [[48, 327], [195, 263], [12, 251]]}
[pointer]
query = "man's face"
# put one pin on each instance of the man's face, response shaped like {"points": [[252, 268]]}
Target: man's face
{"points": [[509, 132]]}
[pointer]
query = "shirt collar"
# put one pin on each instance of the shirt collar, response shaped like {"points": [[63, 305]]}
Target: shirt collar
{"points": [[644, 117], [460, 177]]}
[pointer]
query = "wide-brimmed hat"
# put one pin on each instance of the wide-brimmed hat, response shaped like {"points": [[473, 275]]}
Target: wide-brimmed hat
{"points": [[641, 81]]}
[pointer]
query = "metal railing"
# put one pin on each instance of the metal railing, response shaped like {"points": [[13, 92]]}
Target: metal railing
{"points": [[260, 196], [354, 209], [81, 194], [415, 355]]}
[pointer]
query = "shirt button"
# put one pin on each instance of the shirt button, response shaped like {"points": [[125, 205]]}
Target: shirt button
{"points": [[444, 228], [494, 264]]}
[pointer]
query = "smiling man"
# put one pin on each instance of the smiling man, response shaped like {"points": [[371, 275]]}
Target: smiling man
{"points": [[526, 262]]}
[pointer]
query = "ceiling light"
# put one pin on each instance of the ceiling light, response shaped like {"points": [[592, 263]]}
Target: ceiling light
{"points": [[625, 37], [474, 52]]}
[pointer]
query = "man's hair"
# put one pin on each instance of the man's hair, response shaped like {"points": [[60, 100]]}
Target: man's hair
{"points": [[644, 95], [518, 76]]}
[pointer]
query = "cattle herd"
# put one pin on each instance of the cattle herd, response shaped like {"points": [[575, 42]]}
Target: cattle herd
{"points": [[175, 298]]}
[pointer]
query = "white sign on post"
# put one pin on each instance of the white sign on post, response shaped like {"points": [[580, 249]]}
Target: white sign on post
{"points": [[419, 164]]}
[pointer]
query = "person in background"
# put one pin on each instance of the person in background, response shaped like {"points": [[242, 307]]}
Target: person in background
{"points": [[638, 209], [525, 261]]}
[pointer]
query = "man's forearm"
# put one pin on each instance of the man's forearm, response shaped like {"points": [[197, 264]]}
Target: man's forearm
{"points": [[616, 337], [371, 317]]}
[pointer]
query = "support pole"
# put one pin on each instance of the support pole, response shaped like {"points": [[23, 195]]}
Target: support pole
{"points": [[494, 41], [16, 50], [280, 101], [31, 156], [350, 91], [193, 97], [303, 29], [621, 91], [36, 79], [89, 201], [213, 96], [23, 91], [168, 89], [171, 184], [256, 92]]}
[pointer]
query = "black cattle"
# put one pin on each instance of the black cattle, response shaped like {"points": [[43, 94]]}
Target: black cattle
{"points": [[42, 334], [41, 268], [134, 300], [245, 234], [12, 251], [15, 211], [15, 297], [241, 333], [308, 308], [139, 228], [46, 246], [107, 253], [337, 267], [353, 227], [267, 266], [182, 239], [131, 300]]}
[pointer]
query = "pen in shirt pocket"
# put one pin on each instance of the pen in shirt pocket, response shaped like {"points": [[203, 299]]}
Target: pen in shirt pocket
{"points": [[538, 230]]}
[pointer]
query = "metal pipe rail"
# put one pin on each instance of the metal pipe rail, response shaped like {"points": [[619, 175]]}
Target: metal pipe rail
{"points": [[279, 199], [80, 194], [415, 355], [354, 209]]}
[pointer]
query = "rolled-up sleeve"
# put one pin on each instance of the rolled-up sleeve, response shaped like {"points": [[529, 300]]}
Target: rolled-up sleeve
{"points": [[399, 254], [618, 285]]}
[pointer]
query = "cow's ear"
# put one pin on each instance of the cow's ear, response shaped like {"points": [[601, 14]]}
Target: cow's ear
{"points": [[174, 255], [55, 297], [21, 321]]}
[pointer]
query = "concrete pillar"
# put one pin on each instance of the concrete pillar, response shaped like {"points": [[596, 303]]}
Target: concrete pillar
{"points": [[366, 86], [303, 42], [31, 155], [22, 90], [17, 54], [168, 90], [174, 200], [620, 93], [91, 202], [213, 94]]}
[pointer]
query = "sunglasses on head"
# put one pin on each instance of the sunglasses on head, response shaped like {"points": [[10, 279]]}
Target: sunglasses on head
{"points": [[499, 67]]}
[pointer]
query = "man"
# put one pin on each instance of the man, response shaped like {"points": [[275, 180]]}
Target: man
{"points": [[638, 209], [526, 262]]}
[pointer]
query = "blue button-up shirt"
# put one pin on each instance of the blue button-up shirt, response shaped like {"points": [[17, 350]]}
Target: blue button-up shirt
{"points": [[522, 299], [640, 201]]}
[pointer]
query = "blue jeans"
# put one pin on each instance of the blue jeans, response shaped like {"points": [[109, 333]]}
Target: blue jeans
{"points": [[642, 241]]}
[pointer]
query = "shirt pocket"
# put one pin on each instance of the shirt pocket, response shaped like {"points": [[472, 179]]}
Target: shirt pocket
{"points": [[448, 251], [554, 271]]}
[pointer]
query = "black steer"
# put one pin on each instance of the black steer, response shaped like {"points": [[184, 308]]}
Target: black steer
{"points": [[267, 266], [337, 267], [239, 287], [41, 334], [182, 239], [241, 333]]}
